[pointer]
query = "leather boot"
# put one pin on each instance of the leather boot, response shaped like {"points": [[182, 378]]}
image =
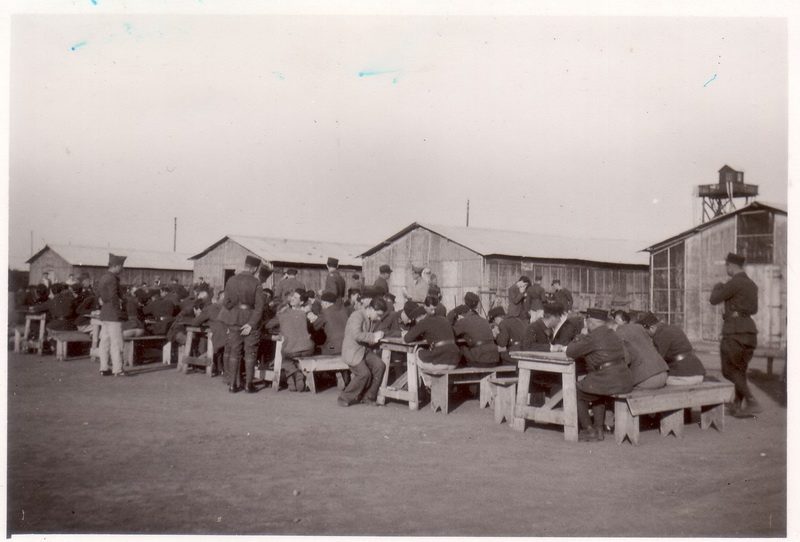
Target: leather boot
{"points": [[599, 412]]}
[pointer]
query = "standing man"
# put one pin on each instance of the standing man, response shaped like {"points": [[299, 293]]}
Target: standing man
{"points": [[112, 314], [382, 282], [604, 354], [534, 299], [366, 367], [419, 286], [335, 281], [562, 295], [287, 285], [739, 333], [516, 298], [244, 301]]}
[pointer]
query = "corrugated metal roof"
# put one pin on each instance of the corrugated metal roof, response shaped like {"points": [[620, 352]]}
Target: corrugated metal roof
{"points": [[137, 259], [533, 245], [753, 206], [273, 249]]}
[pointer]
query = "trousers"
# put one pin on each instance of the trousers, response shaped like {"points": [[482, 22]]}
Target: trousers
{"points": [[111, 345], [236, 347], [735, 352], [366, 379]]}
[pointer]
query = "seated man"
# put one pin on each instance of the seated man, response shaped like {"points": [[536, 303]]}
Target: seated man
{"points": [[480, 349], [162, 310], [209, 316], [353, 301], [538, 335], [295, 328], [441, 351], [390, 322], [134, 325], [604, 354], [647, 366], [332, 322], [508, 332], [685, 368], [366, 366], [60, 309]]}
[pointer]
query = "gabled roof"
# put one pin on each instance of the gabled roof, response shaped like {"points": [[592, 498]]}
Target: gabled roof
{"points": [[299, 251], [753, 206], [487, 242], [137, 259]]}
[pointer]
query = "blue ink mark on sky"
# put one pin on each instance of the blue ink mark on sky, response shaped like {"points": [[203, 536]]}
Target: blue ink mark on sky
{"points": [[81, 44], [279, 75], [127, 27], [94, 2], [394, 80], [364, 74], [707, 82]]}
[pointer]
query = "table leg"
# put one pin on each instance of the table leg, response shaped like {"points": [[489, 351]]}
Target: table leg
{"points": [[413, 382], [570, 403], [524, 384], [26, 337], [386, 357], [276, 366], [40, 347]]}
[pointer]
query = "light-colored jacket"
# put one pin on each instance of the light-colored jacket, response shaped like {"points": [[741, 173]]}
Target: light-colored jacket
{"points": [[358, 335]]}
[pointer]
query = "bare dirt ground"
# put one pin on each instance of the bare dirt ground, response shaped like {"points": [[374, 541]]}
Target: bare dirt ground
{"points": [[166, 453]]}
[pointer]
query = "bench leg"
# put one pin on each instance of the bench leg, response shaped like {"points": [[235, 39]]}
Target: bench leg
{"points": [[487, 393], [166, 354], [128, 349], [504, 400], [42, 333], [60, 347], [311, 381], [625, 423], [340, 384], [713, 415], [17, 340], [672, 421], [440, 393], [276, 366]]}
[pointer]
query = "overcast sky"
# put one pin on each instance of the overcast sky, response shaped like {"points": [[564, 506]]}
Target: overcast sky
{"points": [[349, 128]]}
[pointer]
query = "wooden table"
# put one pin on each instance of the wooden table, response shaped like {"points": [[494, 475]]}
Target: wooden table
{"points": [[186, 351], [567, 414], [406, 386], [21, 344], [263, 372]]}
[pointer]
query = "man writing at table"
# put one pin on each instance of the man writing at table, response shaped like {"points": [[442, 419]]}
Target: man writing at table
{"points": [[604, 354], [112, 314]]}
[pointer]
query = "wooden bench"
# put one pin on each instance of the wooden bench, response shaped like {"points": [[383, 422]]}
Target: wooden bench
{"points": [[441, 381], [671, 401], [499, 393], [65, 338], [317, 364], [133, 346]]}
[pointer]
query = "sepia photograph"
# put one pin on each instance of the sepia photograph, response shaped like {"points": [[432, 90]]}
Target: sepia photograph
{"points": [[398, 269]]}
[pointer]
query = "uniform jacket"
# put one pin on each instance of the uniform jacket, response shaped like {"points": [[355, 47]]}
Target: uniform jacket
{"points": [[740, 294], [510, 334], [333, 321], [295, 329], [209, 316], [244, 289], [61, 311], [534, 298], [480, 349], [433, 329], [110, 293], [567, 332], [642, 357], [389, 324], [135, 313], [536, 337], [670, 341], [381, 284], [335, 283], [357, 336], [596, 348], [516, 302], [564, 297]]}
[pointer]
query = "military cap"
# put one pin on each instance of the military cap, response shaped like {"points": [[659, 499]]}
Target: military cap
{"points": [[291, 271], [265, 273], [409, 307], [333, 262], [495, 312], [385, 269], [417, 312], [330, 297], [113, 260], [735, 259], [597, 314], [471, 299], [647, 319], [556, 281], [252, 261]]}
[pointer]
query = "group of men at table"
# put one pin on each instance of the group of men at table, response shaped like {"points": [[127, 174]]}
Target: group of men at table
{"points": [[615, 354]]}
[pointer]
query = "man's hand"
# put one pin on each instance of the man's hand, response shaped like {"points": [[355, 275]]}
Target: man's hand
{"points": [[246, 329], [377, 336], [311, 317]]}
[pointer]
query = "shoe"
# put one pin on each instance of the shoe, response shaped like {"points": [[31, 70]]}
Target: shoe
{"points": [[232, 389], [105, 373], [290, 383], [752, 406], [588, 435], [121, 373], [732, 409], [369, 402], [249, 388], [342, 403], [299, 382]]}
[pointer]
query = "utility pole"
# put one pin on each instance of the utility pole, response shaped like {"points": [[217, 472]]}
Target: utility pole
{"points": [[31, 242], [468, 213], [175, 236]]}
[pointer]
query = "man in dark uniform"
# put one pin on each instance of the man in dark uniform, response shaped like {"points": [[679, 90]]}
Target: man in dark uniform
{"points": [[60, 309], [163, 310], [516, 298], [288, 284], [562, 295], [382, 282], [508, 331], [480, 349], [335, 281], [739, 333], [538, 336], [604, 354], [244, 301], [112, 314], [534, 299], [332, 321]]}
